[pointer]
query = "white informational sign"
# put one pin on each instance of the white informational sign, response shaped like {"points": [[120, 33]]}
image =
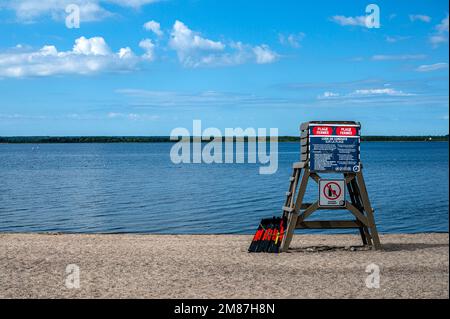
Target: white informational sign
{"points": [[332, 192]]}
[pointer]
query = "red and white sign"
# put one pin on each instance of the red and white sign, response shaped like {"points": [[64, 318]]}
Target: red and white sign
{"points": [[332, 193], [345, 131], [322, 130], [332, 190]]}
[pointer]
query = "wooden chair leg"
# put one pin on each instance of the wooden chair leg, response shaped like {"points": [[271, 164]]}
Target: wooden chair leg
{"points": [[292, 222], [292, 218], [369, 211], [368, 237], [363, 236]]}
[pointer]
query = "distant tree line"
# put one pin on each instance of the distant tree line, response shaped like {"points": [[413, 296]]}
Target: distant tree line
{"points": [[404, 138], [166, 139]]}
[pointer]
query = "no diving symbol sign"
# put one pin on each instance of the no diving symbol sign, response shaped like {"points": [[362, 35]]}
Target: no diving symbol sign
{"points": [[332, 192]]}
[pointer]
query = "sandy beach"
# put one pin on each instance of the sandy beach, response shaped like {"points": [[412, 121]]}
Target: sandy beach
{"points": [[218, 266]]}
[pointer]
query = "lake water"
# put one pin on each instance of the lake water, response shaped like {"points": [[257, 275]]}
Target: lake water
{"points": [[116, 188]]}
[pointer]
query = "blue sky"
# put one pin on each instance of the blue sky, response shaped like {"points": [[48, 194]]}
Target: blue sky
{"points": [[145, 67]]}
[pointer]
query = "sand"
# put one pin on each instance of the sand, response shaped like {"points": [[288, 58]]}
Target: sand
{"points": [[218, 266]]}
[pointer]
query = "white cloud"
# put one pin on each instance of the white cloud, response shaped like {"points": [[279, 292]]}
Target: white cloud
{"points": [[93, 55], [432, 67], [82, 116], [88, 56], [396, 38], [441, 34], [92, 46], [156, 99], [292, 40], [30, 10], [194, 50], [372, 97], [420, 17], [349, 21], [125, 53], [443, 26], [131, 3], [264, 55], [189, 45], [90, 10], [364, 93], [328, 95], [184, 40], [438, 39], [381, 57], [148, 46], [383, 91], [155, 27], [132, 116]]}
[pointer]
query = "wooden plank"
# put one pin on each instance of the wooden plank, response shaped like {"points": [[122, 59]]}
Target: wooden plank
{"points": [[288, 209], [306, 205], [331, 208], [355, 196], [328, 224], [304, 126], [350, 191], [298, 165], [315, 177], [302, 190], [358, 201], [308, 211], [357, 213], [293, 189], [349, 178]]}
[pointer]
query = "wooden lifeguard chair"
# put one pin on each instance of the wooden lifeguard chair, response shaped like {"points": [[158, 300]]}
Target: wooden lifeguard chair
{"points": [[330, 147]]}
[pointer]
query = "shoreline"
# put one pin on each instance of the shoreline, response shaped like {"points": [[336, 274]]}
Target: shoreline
{"points": [[174, 142], [4, 140], [194, 266]]}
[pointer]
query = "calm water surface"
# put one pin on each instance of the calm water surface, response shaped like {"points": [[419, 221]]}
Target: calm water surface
{"points": [[114, 188]]}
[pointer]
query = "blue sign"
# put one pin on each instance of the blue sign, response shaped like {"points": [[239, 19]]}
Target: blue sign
{"points": [[334, 149]]}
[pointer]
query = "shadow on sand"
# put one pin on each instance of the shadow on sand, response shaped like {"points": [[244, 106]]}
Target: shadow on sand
{"points": [[411, 246], [388, 247]]}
